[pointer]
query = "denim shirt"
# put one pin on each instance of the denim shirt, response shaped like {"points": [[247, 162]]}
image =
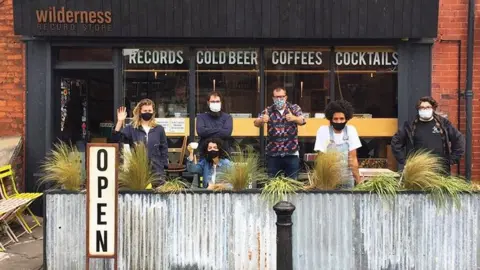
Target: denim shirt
{"points": [[206, 169]]}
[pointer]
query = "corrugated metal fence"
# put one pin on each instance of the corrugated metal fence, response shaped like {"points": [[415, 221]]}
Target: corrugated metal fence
{"points": [[237, 231]]}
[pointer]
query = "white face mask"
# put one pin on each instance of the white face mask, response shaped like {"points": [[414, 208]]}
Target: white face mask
{"points": [[425, 114], [215, 107]]}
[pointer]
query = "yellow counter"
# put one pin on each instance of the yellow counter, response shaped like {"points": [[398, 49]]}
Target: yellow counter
{"points": [[243, 127]]}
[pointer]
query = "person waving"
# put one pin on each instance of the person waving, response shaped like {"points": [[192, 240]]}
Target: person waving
{"points": [[144, 129]]}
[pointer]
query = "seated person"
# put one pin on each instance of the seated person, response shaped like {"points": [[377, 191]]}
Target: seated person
{"points": [[213, 165]]}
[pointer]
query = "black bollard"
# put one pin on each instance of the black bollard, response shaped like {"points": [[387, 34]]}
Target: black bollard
{"points": [[284, 211]]}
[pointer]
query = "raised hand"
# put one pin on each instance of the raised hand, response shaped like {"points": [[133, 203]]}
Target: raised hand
{"points": [[265, 117], [290, 116], [121, 114]]}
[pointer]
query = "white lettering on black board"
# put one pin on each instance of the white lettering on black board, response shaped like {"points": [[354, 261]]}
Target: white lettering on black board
{"points": [[102, 193], [236, 57], [156, 57], [366, 58], [312, 58]]}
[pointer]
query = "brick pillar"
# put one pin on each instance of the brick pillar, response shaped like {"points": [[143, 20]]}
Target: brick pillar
{"points": [[12, 81]]}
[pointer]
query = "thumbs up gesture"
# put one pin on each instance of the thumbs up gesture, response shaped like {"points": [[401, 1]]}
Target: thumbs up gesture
{"points": [[290, 116], [265, 117]]}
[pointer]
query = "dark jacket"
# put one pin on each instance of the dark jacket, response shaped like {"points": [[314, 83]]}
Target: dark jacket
{"points": [[454, 143], [157, 146], [209, 126]]}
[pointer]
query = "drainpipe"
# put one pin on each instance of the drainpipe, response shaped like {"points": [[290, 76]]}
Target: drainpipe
{"points": [[458, 42], [468, 90]]}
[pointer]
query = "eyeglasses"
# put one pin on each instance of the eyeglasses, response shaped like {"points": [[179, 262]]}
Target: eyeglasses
{"points": [[215, 101], [425, 108], [279, 97]]}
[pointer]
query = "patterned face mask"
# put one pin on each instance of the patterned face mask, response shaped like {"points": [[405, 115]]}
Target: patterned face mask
{"points": [[279, 103]]}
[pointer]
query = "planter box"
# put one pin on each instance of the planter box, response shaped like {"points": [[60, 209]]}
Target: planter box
{"points": [[331, 230]]}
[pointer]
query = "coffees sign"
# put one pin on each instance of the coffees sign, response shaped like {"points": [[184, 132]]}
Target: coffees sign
{"points": [[246, 57]]}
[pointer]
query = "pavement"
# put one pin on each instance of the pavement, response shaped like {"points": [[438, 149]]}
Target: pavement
{"points": [[27, 254]]}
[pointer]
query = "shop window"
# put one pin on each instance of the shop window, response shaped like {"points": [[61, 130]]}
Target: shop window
{"points": [[234, 73], [367, 77], [84, 54], [304, 73], [158, 74]]}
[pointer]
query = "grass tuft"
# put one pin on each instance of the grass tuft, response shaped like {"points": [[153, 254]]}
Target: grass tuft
{"points": [[277, 188], [63, 167], [326, 172], [424, 172], [174, 185], [385, 185], [136, 172], [246, 169]]}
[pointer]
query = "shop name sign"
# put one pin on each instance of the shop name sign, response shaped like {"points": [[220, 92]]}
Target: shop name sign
{"points": [[278, 57], [366, 58], [102, 194], [62, 19]]}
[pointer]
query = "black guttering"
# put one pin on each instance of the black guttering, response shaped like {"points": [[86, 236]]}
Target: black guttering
{"points": [[469, 91]]}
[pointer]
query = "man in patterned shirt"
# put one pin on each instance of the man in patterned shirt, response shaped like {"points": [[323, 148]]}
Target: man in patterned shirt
{"points": [[282, 120]]}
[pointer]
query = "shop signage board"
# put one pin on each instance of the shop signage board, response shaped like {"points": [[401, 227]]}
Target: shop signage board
{"points": [[245, 57], [102, 200], [359, 19]]}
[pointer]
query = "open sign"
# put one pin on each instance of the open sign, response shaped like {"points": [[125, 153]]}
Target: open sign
{"points": [[102, 194]]}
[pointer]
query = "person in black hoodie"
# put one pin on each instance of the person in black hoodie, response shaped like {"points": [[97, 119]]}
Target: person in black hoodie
{"points": [[144, 129], [431, 132]]}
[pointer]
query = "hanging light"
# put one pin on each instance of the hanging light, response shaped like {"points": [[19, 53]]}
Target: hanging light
{"points": [[214, 84], [155, 75], [301, 89]]}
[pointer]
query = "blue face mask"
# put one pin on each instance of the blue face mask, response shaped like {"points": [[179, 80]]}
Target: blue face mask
{"points": [[279, 103]]}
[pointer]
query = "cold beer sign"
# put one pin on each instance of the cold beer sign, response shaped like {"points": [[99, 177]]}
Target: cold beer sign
{"points": [[102, 194]]}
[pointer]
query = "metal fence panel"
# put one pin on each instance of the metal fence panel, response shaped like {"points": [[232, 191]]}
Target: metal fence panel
{"points": [[181, 231], [237, 231]]}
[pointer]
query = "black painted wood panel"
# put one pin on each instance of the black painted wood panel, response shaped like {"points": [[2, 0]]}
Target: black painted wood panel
{"points": [[321, 19]]}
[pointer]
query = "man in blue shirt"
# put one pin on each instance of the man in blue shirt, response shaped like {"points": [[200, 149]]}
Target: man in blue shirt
{"points": [[214, 123]]}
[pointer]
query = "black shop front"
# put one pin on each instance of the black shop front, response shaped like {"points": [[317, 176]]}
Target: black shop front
{"points": [[87, 58]]}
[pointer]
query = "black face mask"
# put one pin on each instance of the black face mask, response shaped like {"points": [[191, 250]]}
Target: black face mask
{"points": [[338, 126], [212, 154], [146, 116]]}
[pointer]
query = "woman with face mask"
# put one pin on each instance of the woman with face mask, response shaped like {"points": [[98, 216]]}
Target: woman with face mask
{"points": [[342, 138], [144, 129], [212, 166]]}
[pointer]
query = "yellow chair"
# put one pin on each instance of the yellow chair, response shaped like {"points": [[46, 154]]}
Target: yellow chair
{"points": [[8, 208], [6, 173]]}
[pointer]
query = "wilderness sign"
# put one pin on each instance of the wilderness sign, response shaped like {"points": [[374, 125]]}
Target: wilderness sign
{"points": [[62, 19]]}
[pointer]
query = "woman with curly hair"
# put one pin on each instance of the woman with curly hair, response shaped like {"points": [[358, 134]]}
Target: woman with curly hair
{"points": [[342, 138], [213, 165]]}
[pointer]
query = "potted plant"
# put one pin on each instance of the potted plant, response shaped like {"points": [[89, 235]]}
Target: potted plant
{"points": [[63, 168]]}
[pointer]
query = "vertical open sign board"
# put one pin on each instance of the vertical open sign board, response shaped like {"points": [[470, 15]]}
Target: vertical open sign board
{"points": [[102, 200]]}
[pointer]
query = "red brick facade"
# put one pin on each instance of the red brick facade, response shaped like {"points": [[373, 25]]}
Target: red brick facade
{"points": [[452, 25], [12, 78], [12, 75]]}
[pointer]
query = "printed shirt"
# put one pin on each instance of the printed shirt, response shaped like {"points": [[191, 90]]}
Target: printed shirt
{"points": [[282, 135]]}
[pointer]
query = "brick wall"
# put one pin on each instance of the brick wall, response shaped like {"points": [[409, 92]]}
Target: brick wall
{"points": [[12, 81], [452, 25]]}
